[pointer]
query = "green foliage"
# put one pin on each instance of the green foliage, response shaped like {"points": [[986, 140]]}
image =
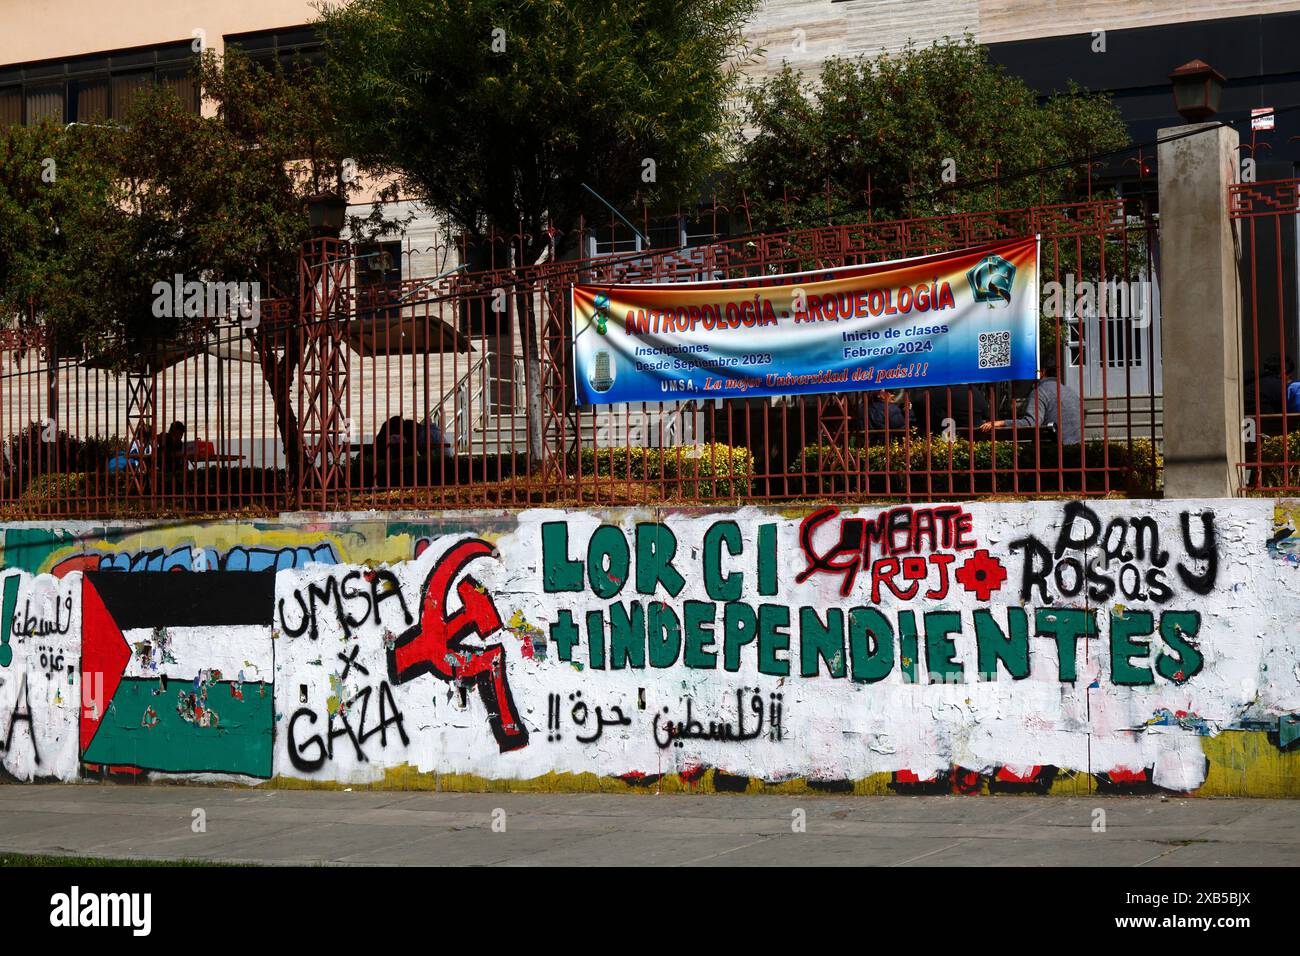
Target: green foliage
{"points": [[927, 462], [583, 91], [891, 122], [56, 212], [706, 471], [53, 488], [216, 197], [1281, 457]]}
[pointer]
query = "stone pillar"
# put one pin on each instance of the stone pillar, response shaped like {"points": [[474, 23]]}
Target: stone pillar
{"points": [[1200, 297]]}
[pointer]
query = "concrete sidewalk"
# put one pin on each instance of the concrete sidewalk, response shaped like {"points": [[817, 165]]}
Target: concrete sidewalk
{"points": [[402, 827]]}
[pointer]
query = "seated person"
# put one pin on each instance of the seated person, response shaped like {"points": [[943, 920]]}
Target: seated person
{"points": [[1052, 402], [397, 434], [884, 410], [1269, 382], [173, 443], [969, 407], [141, 447], [430, 440]]}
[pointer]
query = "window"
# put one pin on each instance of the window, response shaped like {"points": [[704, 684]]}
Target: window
{"points": [[379, 278], [289, 48], [90, 89], [379, 264], [612, 239]]}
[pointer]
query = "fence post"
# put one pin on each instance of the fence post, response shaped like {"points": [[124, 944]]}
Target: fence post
{"points": [[1201, 312]]}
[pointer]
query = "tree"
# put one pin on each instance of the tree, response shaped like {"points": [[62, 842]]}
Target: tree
{"points": [[54, 199], [495, 113], [913, 134], [216, 198]]}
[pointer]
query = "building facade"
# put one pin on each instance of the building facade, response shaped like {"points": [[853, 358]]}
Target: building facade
{"points": [[77, 62]]}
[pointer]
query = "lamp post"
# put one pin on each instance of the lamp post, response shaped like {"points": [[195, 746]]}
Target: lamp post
{"points": [[325, 214], [1198, 90]]}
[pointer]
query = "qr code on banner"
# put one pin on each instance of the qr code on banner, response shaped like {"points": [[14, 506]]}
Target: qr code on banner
{"points": [[995, 349]]}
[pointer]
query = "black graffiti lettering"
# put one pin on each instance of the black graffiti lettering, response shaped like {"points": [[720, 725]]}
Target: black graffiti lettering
{"points": [[1100, 585], [340, 725], [351, 594], [1145, 528], [31, 625], [1066, 540], [348, 602], [389, 715], [1158, 588], [390, 589], [1076, 577], [296, 757], [327, 595], [1035, 570], [1130, 583], [334, 734], [1200, 582], [1122, 556], [22, 712], [305, 619]]}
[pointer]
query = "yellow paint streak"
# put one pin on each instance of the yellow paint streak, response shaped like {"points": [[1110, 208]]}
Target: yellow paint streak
{"points": [[363, 541], [1245, 763]]}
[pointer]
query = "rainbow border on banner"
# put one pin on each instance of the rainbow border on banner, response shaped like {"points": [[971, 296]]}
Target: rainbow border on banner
{"points": [[964, 317]]}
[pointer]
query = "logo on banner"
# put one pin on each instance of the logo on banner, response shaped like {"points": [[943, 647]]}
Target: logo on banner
{"points": [[602, 372], [991, 280]]}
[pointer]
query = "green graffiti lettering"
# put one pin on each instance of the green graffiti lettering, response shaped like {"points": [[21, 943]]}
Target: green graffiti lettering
{"points": [[871, 644], [596, 639], [821, 643], [1066, 625], [699, 634], [908, 653], [1124, 630], [559, 572], [655, 547], [663, 634], [767, 559], [1011, 648], [626, 636], [940, 649], [739, 627], [720, 586], [564, 634], [1189, 661], [773, 638], [608, 560]]}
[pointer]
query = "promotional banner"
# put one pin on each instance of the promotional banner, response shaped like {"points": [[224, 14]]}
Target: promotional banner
{"points": [[947, 319]]}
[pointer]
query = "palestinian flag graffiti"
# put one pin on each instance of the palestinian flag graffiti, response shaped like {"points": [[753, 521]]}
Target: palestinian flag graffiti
{"points": [[178, 671]]}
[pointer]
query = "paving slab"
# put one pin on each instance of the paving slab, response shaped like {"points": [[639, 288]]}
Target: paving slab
{"points": [[275, 827]]}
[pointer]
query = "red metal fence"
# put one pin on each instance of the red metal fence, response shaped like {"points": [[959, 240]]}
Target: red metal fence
{"points": [[451, 389], [1266, 217]]}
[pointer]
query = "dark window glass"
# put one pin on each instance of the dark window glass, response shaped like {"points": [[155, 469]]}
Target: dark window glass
{"points": [[183, 84], [90, 89], [89, 100], [11, 106], [45, 102], [290, 50], [125, 89]]}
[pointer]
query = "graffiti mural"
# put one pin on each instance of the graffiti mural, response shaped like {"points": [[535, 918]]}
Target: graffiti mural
{"points": [[1008, 648]]}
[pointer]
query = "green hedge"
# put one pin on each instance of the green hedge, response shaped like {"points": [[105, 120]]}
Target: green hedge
{"points": [[921, 464], [711, 470], [1273, 450]]}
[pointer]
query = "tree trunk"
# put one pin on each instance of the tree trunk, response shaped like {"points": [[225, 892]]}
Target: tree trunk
{"points": [[278, 373]]}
